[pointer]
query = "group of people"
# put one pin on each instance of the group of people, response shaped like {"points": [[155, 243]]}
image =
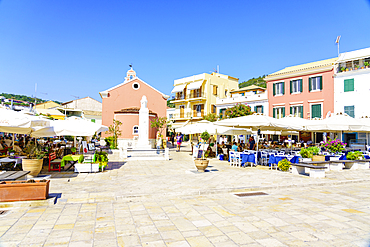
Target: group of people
{"points": [[21, 144]]}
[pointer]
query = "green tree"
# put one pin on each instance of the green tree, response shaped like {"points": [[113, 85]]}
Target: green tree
{"points": [[254, 81], [115, 131], [238, 110], [212, 117], [159, 123], [170, 104]]}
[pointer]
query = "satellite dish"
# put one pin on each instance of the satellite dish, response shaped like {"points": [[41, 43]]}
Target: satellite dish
{"points": [[328, 114]]}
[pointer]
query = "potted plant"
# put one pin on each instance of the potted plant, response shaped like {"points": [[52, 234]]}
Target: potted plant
{"points": [[356, 67], [202, 163], [306, 154], [316, 154], [356, 155], [334, 146], [342, 69], [73, 150], [34, 160], [366, 64], [284, 165], [101, 158]]}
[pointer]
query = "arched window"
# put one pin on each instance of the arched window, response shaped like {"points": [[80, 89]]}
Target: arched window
{"points": [[135, 130]]}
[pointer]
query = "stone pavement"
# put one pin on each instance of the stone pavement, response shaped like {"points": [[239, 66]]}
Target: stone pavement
{"points": [[166, 203]]}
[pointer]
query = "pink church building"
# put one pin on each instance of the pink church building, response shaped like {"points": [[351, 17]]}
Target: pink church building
{"points": [[122, 102]]}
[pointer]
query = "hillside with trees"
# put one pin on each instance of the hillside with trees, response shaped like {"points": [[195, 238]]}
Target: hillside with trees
{"points": [[254, 81], [24, 98]]}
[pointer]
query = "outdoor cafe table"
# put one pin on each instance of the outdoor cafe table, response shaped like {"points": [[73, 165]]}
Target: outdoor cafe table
{"points": [[275, 159], [72, 158], [13, 175], [247, 158]]}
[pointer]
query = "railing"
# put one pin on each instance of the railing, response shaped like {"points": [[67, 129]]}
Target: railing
{"points": [[188, 115], [182, 115], [179, 97], [196, 95]]}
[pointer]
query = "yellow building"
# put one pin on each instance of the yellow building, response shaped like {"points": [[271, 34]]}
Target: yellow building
{"points": [[49, 109], [47, 105], [195, 96]]}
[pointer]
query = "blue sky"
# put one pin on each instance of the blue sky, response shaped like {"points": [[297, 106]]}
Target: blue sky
{"points": [[79, 48]]}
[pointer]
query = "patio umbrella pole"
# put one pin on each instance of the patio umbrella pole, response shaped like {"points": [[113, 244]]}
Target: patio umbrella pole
{"points": [[13, 140]]}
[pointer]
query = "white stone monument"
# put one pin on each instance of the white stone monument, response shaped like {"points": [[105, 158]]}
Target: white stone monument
{"points": [[143, 142]]}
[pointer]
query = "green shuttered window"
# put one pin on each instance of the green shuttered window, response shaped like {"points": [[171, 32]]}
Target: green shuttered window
{"points": [[349, 85], [350, 110], [316, 111]]}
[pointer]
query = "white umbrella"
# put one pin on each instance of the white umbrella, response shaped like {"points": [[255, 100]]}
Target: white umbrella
{"points": [[20, 123], [71, 127], [338, 122], [257, 122], [202, 126], [295, 123]]}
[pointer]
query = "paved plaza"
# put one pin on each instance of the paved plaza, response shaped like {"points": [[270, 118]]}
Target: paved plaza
{"points": [[167, 203]]}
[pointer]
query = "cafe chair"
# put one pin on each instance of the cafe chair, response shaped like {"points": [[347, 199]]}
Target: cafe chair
{"points": [[54, 163]]}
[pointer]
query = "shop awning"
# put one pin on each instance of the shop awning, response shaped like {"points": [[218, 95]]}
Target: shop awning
{"points": [[178, 88], [195, 85]]}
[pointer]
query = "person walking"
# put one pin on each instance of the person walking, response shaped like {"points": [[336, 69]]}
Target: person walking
{"points": [[179, 141]]}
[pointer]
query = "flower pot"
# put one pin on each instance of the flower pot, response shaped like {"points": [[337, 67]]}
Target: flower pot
{"points": [[318, 158], [32, 165], [23, 191], [201, 164]]}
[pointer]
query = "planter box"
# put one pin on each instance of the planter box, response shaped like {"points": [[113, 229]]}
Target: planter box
{"points": [[21, 191], [318, 158], [87, 167]]}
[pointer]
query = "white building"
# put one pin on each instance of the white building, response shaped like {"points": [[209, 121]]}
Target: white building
{"points": [[352, 86], [87, 108], [254, 96]]}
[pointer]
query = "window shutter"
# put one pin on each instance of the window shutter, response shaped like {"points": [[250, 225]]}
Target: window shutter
{"points": [[255, 108], [291, 87], [291, 110], [309, 84], [301, 110], [274, 112], [321, 82], [202, 110], [283, 83], [262, 109], [273, 89], [283, 112], [301, 85]]}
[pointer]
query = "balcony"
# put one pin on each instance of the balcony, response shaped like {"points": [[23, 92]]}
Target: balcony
{"points": [[196, 95], [188, 115]]}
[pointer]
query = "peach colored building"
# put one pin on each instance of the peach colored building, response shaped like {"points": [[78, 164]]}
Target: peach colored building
{"points": [[122, 102], [306, 90]]}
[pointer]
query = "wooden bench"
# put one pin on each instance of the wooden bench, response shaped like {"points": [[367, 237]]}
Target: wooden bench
{"points": [[353, 164], [315, 171], [13, 175]]}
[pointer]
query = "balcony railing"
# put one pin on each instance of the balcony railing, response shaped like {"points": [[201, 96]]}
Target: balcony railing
{"points": [[194, 95], [179, 97], [188, 115]]}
